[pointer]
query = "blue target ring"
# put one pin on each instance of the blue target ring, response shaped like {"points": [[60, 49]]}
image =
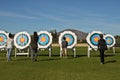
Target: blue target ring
{"points": [[109, 40], [94, 39], [3, 39], [43, 39], [69, 39], [22, 40]]}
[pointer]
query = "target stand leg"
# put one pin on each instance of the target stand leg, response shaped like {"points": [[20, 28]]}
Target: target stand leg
{"points": [[88, 52], [49, 52], [21, 53], [74, 49], [114, 50], [60, 52]]}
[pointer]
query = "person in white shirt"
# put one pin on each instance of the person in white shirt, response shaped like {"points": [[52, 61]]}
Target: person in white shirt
{"points": [[9, 45]]}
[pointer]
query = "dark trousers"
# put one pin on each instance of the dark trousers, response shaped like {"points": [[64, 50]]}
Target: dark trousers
{"points": [[102, 55], [34, 54]]}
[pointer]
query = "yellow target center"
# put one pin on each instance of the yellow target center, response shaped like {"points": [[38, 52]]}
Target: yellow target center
{"points": [[43, 39], [108, 40], [68, 39], [22, 40], [1, 39], [96, 39]]}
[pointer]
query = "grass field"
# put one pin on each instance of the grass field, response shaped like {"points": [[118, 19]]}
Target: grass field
{"points": [[56, 68]]}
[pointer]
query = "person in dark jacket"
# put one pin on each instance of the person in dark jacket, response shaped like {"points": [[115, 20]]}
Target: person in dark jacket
{"points": [[64, 47], [34, 46], [102, 46]]}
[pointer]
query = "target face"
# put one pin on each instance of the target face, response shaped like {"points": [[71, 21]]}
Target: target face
{"points": [[22, 40], [71, 38], [110, 40], [92, 38], [3, 39], [44, 39]]}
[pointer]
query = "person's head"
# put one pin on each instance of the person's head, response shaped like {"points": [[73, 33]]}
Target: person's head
{"points": [[101, 36], [35, 33], [10, 35]]}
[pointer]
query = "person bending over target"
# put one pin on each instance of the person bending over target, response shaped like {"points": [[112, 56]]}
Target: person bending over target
{"points": [[102, 46], [9, 45], [34, 46], [64, 47]]}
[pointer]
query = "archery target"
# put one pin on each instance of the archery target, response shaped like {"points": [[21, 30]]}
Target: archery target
{"points": [[110, 40], [92, 38], [44, 39], [22, 40], [71, 38], [3, 39]]}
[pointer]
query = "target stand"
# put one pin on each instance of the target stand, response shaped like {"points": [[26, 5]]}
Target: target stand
{"points": [[22, 41], [110, 40], [92, 40], [45, 41], [71, 38]]}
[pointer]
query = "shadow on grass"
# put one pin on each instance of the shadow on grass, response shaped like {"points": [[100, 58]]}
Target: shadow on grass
{"points": [[112, 61], [49, 59]]}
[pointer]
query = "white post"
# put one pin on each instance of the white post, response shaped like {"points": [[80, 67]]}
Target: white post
{"points": [[89, 49], [28, 52], [49, 52], [74, 49], [15, 52], [114, 50], [60, 52]]}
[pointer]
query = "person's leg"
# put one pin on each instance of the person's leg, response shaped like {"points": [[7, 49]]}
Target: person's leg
{"points": [[32, 55], [35, 56], [62, 52], [65, 52], [102, 56], [9, 54]]}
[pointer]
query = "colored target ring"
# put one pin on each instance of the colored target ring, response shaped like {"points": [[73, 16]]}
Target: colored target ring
{"points": [[94, 39], [3, 39], [22, 40], [110, 40], [44, 39], [70, 37]]}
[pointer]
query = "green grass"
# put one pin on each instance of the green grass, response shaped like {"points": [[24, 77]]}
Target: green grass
{"points": [[56, 68]]}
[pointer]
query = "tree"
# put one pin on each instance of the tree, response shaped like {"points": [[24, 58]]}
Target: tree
{"points": [[54, 35]]}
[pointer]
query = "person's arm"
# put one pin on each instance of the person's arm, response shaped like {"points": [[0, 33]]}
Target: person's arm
{"points": [[98, 44]]}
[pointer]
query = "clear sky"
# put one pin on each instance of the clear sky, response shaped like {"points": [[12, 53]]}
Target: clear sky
{"points": [[83, 15]]}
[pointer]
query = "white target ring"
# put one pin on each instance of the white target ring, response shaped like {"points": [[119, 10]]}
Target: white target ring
{"points": [[110, 40], [70, 37], [92, 39], [44, 39], [22, 40], [3, 39]]}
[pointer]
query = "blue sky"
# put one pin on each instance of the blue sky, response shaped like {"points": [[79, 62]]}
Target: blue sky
{"points": [[83, 15]]}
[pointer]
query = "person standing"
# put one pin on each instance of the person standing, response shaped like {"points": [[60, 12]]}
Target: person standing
{"points": [[102, 46], [9, 46], [64, 47], [34, 46]]}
